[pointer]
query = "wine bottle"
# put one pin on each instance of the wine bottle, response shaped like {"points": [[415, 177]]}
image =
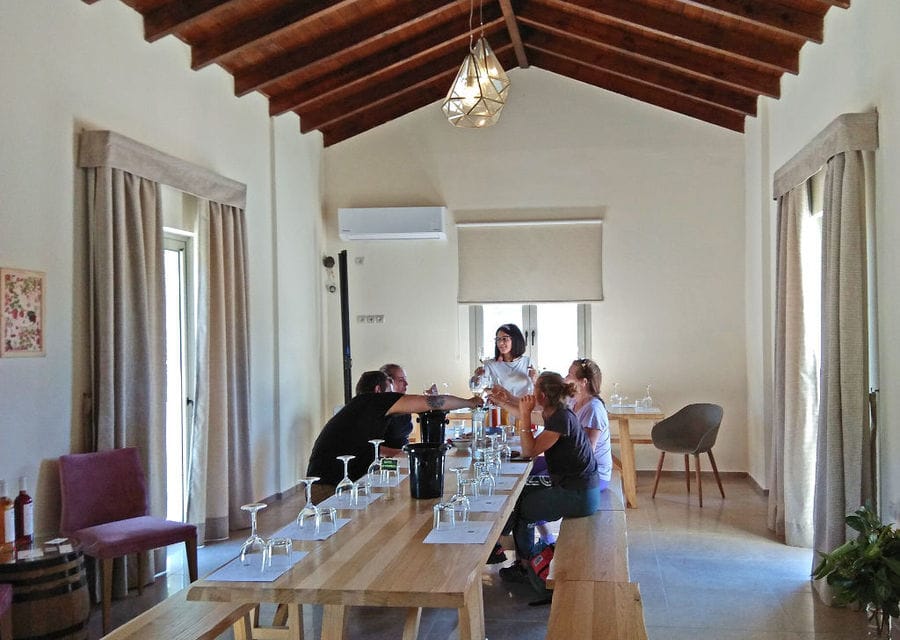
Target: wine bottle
{"points": [[7, 521], [24, 514]]}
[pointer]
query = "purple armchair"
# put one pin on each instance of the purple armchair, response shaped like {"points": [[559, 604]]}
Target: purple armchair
{"points": [[104, 507]]}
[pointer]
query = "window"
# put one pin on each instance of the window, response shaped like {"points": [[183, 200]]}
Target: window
{"points": [[555, 333], [178, 264]]}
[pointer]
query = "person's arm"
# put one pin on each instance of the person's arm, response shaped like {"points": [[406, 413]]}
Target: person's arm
{"points": [[499, 395], [388, 452], [593, 436], [532, 446], [419, 404]]}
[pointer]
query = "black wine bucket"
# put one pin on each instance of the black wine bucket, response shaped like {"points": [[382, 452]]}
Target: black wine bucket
{"points": [[426, 469], [432, 426]]}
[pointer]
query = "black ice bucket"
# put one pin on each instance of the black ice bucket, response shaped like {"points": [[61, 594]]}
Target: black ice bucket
{"points": [[432, 426], [426, 469]]}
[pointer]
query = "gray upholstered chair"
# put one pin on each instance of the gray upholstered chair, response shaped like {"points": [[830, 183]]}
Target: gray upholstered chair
{"points": [[690, 431]]}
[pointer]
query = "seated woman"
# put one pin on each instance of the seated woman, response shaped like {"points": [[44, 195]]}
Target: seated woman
{"points": [[574, 486], [591, 412]]}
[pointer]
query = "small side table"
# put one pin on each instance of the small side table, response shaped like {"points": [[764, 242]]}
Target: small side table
{"points": [[50, 594]]}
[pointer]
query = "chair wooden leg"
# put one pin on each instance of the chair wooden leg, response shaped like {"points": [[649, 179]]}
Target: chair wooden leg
{"points": [[140, 571], [687, 472], [662, 456], [712, 462], [699, 486], [6, 626], [106, 569], [190, 547]]}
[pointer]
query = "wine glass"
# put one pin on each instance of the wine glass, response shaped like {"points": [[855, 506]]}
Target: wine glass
{"points": [[279, 548], [647, 400], [309, 510], [254, 544], [487, 383], [460, 501], [346, 484], [374, 472], [485, 481], [615, 399]]}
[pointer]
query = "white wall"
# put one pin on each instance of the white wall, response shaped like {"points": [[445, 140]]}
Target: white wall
{"points": [[855, 70], [672, 189], [67, 66]]}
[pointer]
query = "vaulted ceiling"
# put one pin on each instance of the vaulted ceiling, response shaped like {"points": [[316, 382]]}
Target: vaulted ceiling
{"points": [[346, 66]]}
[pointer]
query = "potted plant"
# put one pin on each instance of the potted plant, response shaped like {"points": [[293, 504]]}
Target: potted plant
{"points": [[866, 570]]}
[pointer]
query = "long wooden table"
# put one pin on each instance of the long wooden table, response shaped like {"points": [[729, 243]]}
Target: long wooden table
{"points": [[626, 443], [379, 559]]}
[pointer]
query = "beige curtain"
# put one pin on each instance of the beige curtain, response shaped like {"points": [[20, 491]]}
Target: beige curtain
{"points": [[792, 467], [127, 329], [219, 477], [845, 477]]}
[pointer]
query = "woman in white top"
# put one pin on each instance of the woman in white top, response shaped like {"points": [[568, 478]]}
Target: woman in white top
{"points": [[510, 367], [591, 413]]}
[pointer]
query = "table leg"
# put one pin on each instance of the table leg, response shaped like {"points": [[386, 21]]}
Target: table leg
{"points": [[295, 621], [471, 615], [411, 625], [629, 475], [334, 621]]}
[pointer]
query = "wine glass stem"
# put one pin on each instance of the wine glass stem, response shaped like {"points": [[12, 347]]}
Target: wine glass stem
{"points": [[253, 524]]}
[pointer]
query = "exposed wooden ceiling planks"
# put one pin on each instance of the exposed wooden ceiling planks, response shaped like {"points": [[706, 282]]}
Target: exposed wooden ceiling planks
{"points": [[346, 66]]}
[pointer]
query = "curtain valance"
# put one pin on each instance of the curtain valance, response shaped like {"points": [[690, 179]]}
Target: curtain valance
{"points": [[530, 261], [847, 132], [110, 149]]}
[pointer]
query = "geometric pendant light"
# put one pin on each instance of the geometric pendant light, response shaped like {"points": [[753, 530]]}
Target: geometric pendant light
{"points": [[479, 91]]}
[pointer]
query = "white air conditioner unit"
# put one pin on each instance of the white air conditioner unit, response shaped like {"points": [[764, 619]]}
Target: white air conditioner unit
{"points": [[392, 223]]}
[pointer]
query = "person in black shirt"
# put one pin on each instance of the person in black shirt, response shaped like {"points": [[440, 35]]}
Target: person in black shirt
{"points": [[365, 418]]}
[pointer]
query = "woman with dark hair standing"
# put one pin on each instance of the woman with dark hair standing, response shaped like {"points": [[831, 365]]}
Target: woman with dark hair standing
{"points": [[574, 488], [510, 367]]}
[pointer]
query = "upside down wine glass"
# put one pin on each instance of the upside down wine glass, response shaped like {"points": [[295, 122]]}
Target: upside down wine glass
{"points": [[375, 473], [309, 510], [346, 484], [254, 544]]}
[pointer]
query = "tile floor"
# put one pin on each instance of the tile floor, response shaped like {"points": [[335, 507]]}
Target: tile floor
{"points": [[713, 573]]}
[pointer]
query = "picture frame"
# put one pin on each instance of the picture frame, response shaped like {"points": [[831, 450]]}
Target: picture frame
{"points": [[22, 313]]}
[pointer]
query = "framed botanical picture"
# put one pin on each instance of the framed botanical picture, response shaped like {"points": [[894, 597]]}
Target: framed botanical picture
{"points": [[22, 313]]}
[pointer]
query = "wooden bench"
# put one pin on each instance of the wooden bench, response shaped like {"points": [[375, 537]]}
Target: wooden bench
{"points": [[592, 548], [597, 610], [177, 618], [593, 596]]}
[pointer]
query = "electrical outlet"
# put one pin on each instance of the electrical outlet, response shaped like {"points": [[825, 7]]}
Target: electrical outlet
{"points": [[370, 319], [379, 319], [359, 260], [360, 319]]}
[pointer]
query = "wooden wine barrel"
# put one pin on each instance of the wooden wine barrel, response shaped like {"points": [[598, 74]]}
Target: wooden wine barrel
{"points": [[50, 597]]}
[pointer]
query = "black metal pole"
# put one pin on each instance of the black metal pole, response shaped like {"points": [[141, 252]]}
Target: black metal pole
{"points": [[345, 326]]}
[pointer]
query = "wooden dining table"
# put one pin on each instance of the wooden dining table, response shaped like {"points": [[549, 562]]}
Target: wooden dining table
{"points": [[379, 559], [626, 442]]}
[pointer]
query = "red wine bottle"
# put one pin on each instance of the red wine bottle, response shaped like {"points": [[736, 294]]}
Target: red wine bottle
{"points": [[24, 515]]}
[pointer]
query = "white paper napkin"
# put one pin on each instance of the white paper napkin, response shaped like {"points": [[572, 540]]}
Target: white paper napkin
{"points": [[505, 483], [343, 502], [485, 504], [308, 530], [473, 532], [513, 468], [234, 571]]}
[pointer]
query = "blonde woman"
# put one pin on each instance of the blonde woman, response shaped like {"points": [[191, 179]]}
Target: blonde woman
{"points": [[591, 412]]}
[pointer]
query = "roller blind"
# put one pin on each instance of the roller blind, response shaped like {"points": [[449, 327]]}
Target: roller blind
{"points": [[534, 261]]}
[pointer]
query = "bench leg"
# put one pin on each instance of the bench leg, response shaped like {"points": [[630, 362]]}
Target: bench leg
{"points": [[662, 456]]}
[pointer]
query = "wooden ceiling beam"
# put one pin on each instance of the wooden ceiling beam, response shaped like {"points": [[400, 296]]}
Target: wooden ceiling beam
{"points": [[176, 14], [319, 113], [609, 60], [768, 14], [349, 78], [643, 15], [252, 32], [663, 98], [739, 75], [354, 37], [512, 26]]}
